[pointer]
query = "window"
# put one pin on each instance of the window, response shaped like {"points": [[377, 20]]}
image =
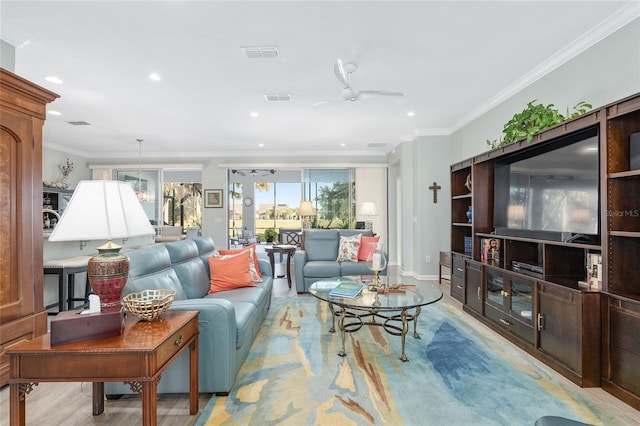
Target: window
{"points": [[332, 192], [182, 204], [277, 205]]}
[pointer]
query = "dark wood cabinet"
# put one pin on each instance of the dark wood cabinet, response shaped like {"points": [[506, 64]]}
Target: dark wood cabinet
{"points": [[473, 286], [566, 335], [22, 314], [509, 302], [621, 349], [457, 276], [590, 335]]}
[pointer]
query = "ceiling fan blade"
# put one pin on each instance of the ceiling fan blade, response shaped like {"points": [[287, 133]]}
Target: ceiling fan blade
{"points": [[380, 93], [319, 103], [338, 69]]}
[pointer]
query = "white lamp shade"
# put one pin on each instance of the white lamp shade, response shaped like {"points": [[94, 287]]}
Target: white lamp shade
{"points": [[306, 209], [368, 208], [515, 212], [102, 209]]}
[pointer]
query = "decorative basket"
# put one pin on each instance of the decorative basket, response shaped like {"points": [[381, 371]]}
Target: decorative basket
{"points": [[149, 304]]}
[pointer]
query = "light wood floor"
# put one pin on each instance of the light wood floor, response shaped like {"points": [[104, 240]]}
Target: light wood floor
{"points": [[69, 404]]}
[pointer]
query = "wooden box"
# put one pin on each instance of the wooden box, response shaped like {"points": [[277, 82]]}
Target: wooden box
{"points": [[72, 326]]}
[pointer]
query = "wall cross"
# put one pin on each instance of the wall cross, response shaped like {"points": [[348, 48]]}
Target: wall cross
{"points": [[435, 188]]}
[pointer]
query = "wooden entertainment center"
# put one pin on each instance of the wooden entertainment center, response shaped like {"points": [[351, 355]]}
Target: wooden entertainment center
{"points": [[589, 335]]}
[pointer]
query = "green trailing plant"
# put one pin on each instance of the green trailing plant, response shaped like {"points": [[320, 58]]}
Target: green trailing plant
{"points": [[533, 119]]}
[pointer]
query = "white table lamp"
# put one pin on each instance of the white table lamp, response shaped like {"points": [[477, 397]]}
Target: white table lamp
{"points": [[305, 211], [104, 209], [368, 208]]}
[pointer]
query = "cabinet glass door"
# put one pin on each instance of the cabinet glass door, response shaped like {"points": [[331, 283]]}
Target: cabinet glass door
{"points": [[495, 289], [522, 299]]}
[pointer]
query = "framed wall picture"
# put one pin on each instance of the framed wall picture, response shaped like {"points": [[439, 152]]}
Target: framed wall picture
{"points": [[213, 198]]}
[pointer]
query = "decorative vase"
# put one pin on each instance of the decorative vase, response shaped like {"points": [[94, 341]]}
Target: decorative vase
{"points": [[108, 272], [377, 262], [469, 214], [65, 182]]}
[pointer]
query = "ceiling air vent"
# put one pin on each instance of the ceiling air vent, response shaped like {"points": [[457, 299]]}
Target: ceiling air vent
{"points": [[260, 52], [377, 145], [277, 97], [78, 123]]}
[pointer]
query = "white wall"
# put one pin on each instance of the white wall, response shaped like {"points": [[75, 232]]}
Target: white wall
{"points": [[605, 73], [371, 185], [53, 160]]}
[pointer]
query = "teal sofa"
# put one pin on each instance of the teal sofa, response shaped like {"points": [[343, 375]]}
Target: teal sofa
{"points": [[317, 259], [228, 321]]}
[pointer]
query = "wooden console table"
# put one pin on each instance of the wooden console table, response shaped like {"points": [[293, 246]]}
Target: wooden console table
{"points": [[137, 357]]}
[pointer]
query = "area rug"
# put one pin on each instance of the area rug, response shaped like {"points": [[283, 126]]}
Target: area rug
{"points": [[459, 373]]}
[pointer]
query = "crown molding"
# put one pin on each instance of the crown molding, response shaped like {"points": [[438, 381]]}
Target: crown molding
{"points": [[613, 23]]}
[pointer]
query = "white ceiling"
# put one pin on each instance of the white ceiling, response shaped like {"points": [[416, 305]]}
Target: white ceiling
{"points": [[453, 60]]}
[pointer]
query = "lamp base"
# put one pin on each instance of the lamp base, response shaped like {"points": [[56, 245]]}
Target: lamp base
{"points": [[108, 272], [368, 225]]}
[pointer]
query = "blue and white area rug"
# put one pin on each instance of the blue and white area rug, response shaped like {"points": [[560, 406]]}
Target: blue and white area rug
{"points": [[459, 373]]}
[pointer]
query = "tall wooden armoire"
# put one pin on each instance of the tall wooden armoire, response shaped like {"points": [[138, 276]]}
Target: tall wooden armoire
{"points": [[22, 115]]}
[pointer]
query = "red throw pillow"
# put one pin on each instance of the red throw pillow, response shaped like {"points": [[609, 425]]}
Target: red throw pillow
{"points": [[252, 247], [367, 246], [229, 272]]}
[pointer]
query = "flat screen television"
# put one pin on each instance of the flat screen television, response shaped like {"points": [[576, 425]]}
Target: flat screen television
{"points": [[551, 191]]}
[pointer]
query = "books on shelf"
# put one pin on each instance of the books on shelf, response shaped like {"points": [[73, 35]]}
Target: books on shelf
{"points": [[349, 289], [594, 270]]}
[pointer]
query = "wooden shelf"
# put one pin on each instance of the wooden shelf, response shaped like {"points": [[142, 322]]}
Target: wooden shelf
{"points": [[585, 333], [627, 234], [622, 175], [461, 197]]}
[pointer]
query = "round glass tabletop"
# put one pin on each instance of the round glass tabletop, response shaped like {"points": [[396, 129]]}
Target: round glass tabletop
{"points": [[398, 296]]}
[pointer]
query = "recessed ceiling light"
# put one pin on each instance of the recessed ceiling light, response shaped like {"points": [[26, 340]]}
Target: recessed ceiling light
{"points": [[154, 76], [343, 144], [411, 113], [52, 112], [260, 145], [254, 114], [53, 79]]}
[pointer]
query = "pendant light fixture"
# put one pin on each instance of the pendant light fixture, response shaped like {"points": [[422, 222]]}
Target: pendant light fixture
{"points": [[142, 195]]}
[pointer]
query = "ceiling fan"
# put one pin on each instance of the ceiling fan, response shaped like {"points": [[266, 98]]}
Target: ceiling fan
{"points": [[253, 172], [343, 72]]}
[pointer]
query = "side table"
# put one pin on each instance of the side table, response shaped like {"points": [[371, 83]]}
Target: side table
{"points": [[288, 250], [137, 357]]}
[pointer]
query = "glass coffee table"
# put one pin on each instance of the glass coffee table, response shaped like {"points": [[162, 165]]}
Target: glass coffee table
{"points": [[390, 307]]}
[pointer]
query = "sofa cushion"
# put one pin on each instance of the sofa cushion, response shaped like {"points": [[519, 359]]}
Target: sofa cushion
{"points": [[230, 271], [348, 248], [321, 244], [244, 294], [321, 269], [350, 232], [354, 268], [150, 268], [254, 265], [367, 246], [206, 248], [189, 269]]}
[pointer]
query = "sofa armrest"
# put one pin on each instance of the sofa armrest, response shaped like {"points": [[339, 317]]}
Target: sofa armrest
{"points": [[265, 267], [217, 328], [299, 259]]}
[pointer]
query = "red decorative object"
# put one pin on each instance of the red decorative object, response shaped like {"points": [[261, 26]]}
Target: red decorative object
{"points": [[108, 273]]}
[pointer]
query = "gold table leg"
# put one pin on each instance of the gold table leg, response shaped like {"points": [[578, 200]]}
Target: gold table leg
{"points": [[343, 314], [333, 318], [415, 323], [405, 328]]}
